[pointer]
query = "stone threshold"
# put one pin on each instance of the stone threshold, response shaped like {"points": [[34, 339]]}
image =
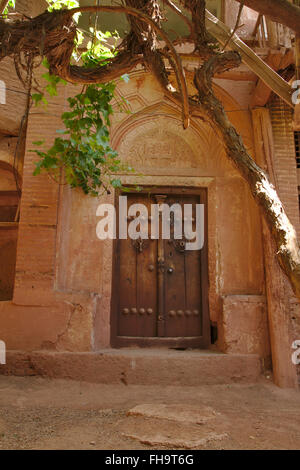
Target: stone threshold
{"points": [[137, 366]]}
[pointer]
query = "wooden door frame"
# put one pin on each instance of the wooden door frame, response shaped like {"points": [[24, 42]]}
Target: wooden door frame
{"points": [[202, 342]]}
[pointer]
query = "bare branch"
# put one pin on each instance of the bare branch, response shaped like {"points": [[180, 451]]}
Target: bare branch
{"points": [[236, 25], [181, 15]]}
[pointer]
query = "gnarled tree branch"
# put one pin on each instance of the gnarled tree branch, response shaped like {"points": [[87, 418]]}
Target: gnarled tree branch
{"points": [[53, 35], [143, 17]]}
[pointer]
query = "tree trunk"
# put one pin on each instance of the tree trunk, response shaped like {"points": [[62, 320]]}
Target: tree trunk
{"points": [[283, 232]]}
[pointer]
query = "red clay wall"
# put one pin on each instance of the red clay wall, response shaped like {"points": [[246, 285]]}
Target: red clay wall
{"points": [[63, 273]]}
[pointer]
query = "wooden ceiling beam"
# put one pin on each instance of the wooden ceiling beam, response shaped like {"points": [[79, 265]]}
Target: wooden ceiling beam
{"points": [[277, 61]]}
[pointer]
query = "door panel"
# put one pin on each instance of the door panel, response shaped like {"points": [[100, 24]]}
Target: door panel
{"points": [[159, 292], [137, 283], [182, 283]]}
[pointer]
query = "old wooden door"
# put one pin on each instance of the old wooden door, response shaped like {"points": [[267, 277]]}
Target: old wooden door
{"points": [[160, 288]]}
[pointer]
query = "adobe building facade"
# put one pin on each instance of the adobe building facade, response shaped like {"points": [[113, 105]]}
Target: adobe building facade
{"points": [[58, 281]]}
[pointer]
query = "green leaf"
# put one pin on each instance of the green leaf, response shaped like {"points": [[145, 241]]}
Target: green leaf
{"points": [[37, 98], [45, 63], [51, 90], [116, 183], [39, 142], [85, 153]]}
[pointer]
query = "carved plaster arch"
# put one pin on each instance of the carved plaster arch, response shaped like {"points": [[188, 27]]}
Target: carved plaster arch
{"points": [[152, 136]]}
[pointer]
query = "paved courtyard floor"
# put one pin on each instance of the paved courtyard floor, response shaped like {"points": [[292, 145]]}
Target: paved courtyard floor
{"points": [[37, 413]]}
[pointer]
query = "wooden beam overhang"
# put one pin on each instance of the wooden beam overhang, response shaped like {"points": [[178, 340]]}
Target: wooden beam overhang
{"points": [[274, 81]]}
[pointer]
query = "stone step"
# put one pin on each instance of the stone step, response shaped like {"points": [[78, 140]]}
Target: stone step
{"points": [[174, 426], [137, 366]]}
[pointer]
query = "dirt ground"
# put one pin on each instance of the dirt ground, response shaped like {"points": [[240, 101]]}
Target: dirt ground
{"points": [[37, 413]]}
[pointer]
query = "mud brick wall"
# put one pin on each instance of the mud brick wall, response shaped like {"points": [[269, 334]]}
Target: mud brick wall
{"points": [[287, 184], [284, 157]]}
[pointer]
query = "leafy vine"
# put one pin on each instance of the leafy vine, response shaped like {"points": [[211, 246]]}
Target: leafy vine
{"points": [[83, 150]]}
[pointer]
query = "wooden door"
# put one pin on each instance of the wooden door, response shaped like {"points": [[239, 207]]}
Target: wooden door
{"points": [[160, 288]]}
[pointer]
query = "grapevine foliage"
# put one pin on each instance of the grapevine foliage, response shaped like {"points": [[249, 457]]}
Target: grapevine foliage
{"points": [[83, 148]]}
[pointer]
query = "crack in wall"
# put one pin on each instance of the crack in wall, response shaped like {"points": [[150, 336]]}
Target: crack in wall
{"points": [[60, 337]]}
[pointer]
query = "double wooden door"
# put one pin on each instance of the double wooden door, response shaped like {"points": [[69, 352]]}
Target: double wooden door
{"points": [[160, 288]]}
